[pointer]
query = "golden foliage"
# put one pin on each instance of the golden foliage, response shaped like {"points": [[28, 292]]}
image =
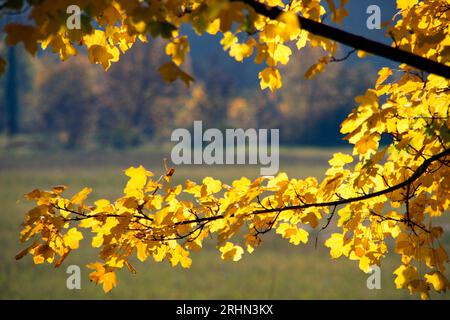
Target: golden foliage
{"points": [[393, 192]]}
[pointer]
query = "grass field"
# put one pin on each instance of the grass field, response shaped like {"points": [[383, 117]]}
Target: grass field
{"points": [[277, 270]]}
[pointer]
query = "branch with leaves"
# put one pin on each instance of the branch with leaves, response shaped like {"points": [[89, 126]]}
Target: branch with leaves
{"points": [[148, 223], [355, 41], [396, 190]]}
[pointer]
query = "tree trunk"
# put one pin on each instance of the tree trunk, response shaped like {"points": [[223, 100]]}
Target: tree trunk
{"points": [[11, 96]]}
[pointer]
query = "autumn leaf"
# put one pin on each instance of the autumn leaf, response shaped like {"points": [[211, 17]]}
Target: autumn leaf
{"points": [[81, 196], [103, 275], [170, 72], [406, 4], [212, 185], [438, 281], [101, 55], [383, 74], [361, 54], [29, 35], [138, 179], [367, 144], [337, 245], [231, 252], [405, 276], [294, 234], [340, 159], [270, 78], [396, 192], [177, 49], [180, 256], [316, 68], [72, 238]]}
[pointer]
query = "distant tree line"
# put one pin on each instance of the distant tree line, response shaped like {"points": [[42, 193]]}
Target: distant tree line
{"points": [[73, 105]]}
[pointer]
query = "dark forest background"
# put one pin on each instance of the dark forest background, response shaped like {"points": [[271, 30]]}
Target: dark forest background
{"points": [[45, 103]]}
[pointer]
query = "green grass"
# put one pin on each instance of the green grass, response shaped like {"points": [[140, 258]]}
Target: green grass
{"points": [[276, 270]]}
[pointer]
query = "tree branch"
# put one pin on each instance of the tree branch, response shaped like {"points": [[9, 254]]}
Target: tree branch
{"points": [[355, 41], [202, 221], [416, 175]]}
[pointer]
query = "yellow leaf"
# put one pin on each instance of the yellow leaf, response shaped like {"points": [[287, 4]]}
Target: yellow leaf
{"points": [[61, 45], [402, 125], [138, 179], [340, 159], [99, 271], [383, 74], [109, 281], [302, 39], [242, 50], [294, 234], [97, 241], [364, 264], [361, 54], [370, 98], [337, 246], [142, 254], [181, 256], [438, 280], [270, 78], [81, 196], [72, 238], [178, 49], [316, 68], [345, 215], [42, 253], [101, 55], [160, 254], [228, 40], [275, 3], [406, 4], [405, 275], [103, 275], [251, 242], [213, 27], [368, 143], [289, 28], [231, 252], [279, 53], [212, 185], [115, 261]]}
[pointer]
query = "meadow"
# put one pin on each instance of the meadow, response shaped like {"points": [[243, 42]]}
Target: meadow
{"points": [[276, 270]]}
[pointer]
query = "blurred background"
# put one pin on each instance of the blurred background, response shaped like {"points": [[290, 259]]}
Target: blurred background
{"points": [[71, 123]]}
